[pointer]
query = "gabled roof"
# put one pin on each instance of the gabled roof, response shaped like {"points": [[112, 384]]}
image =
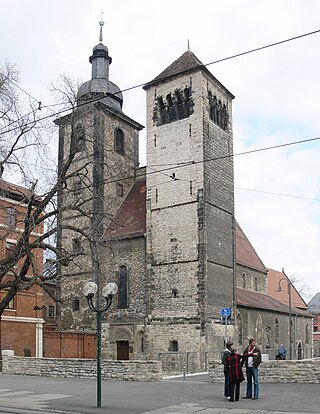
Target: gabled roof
{"points": [[275, 277], [252, 299], [245, 253], [187, 62], [130, 220], [314, 304]]}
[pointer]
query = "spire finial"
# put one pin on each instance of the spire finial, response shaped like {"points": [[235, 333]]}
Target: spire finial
{"points": [[188, 45], [101, 23]]}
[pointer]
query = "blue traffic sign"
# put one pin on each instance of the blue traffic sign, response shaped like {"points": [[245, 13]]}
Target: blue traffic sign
{"points": [[225, 312]]}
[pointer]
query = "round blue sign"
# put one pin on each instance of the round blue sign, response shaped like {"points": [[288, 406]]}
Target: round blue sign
{"points": [[225, 312]]}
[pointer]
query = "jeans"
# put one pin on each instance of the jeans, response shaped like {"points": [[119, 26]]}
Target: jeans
{"points": [[252, 374], [226, 384]]}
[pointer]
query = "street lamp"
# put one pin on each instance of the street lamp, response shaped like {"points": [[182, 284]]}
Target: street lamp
{"points": [[39, 336], [279, 289], [89, 290]]}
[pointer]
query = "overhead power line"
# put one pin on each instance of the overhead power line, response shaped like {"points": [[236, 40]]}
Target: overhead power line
{"points": [[165, 78]]}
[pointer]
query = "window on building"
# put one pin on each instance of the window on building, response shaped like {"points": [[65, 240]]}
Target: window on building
{"points": [[80, 136], [174, 292], [307, 334], [123, 288], [240, 329], [51, 311], [76, 303], [119, 189], [10, 248], [11, 303], [256, 283], [244, 281], [11, 217], [76, 246], [119, 141], [276, 331], [173, 346], [315, 329]]}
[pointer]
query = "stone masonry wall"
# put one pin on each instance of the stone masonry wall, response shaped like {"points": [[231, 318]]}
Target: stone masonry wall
{"points": [[302, 371], [83, 368]]}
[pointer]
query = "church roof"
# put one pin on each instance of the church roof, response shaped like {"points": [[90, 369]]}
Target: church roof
{"points": [[245, 253], [274, 277], [187, 62], [130, 220], [252, 299]]}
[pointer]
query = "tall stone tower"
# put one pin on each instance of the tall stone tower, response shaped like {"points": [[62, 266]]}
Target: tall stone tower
{"points": [[105, 145], [190, 208]]}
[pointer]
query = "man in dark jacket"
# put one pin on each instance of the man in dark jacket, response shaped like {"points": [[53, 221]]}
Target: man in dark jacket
{"points": [[252, 359], [225, 356]]}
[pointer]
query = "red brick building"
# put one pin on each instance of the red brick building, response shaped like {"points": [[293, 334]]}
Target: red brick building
{"points": [[22, 322]]}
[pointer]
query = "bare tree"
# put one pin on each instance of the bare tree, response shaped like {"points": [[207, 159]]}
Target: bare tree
{"points": [[22, 144], [70, 199]]}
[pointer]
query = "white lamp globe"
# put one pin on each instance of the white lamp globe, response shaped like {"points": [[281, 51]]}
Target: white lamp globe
{"points": [[110, 289], [90, 289]]}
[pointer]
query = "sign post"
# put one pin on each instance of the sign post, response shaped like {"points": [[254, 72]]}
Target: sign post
{"points": [[225, 313]]}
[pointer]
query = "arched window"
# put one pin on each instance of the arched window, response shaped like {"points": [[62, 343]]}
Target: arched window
{"points": [[240, 329], [80, 136], [119, 141], [276, 331], [141, 341], [307, 334], [244, 281], [259, 330], [123, 288]]}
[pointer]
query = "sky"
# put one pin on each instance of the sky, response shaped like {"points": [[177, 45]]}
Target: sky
{"points": [[277, 90]]}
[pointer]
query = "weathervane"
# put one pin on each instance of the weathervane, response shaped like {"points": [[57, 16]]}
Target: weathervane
{"points": [[101, 23]]}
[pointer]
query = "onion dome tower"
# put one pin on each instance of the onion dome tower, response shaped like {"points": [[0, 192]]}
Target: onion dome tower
{"points": [[100, 83]]}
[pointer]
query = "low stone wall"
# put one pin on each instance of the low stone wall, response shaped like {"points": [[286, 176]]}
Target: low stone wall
{"points": [[301, 371], [83, 368]]}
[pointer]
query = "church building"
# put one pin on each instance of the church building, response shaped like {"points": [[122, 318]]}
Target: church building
{"points": [[166, 233]]}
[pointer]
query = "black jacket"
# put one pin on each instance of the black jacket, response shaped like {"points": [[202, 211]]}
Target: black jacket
{"points": [[224, 360]]}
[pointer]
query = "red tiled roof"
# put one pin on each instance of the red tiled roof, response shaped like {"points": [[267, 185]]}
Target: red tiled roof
{"points": [[252, 299], [130, 221], [273, 279], [245, 253]]}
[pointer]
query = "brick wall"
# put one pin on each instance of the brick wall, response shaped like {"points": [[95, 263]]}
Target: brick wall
{"points": [[69, 344]]}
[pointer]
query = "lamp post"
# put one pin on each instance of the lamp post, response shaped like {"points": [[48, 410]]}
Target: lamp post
{"points": [[38, 336], [89, 290], [279, 289]]}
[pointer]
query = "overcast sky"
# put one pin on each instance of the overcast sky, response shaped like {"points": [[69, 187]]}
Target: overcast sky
{"points": [[276, 92]]}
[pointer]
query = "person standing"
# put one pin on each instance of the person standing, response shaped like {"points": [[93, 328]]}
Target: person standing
{"points": [[225, 356], [252, 360], [235, 374]]}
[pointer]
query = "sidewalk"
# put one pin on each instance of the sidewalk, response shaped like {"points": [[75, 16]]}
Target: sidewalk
{"points": [[24, 394]]}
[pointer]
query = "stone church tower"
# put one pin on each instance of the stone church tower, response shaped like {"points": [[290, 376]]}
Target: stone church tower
{"points": [[106, 147], [190, 207], [164, 233]]}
